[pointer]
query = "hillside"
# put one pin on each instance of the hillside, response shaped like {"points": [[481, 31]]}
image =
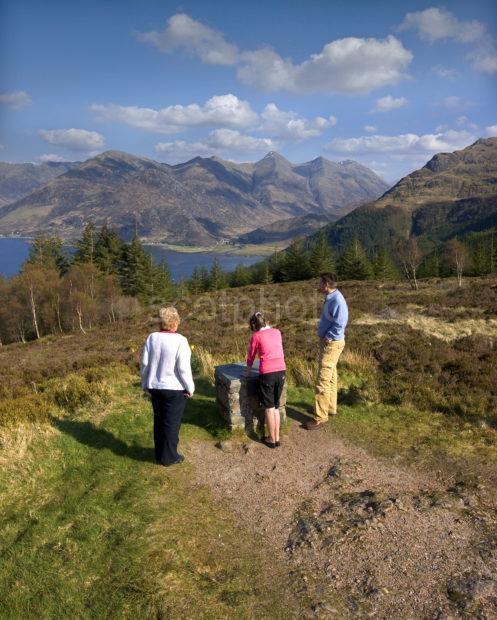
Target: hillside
{"points": [[19, 180], [398, 489], [194, 203], [453, 194]]}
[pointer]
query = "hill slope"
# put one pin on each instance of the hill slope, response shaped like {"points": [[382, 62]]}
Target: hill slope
{"points": [[452, 194], [19, 180], [196, 202]]}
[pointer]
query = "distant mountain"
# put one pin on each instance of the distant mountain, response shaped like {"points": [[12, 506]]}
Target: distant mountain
{"points": [[453, 194], [197, 202], [19, 180], [287, 229]]}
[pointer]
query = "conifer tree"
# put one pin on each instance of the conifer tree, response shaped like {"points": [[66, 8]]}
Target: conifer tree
{"points": [[354, 264], [162, 282], [195, 283], [321, 258], [240, 277], [217, 277], [108, 250], [86, 246], [260, 273], [136, 270], [296, 263], [383, 267], [47, 252]]}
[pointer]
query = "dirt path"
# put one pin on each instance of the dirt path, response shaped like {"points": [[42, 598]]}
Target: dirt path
{"points": [[361, 537]]}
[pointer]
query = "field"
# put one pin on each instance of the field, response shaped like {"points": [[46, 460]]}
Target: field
{"points": [[337, 524]]}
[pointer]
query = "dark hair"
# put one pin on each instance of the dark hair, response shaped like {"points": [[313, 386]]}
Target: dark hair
{"points": [[329, 278], [257, 321]]}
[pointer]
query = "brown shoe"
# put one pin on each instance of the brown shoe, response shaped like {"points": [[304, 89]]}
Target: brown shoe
{"points": [[313, 425]]}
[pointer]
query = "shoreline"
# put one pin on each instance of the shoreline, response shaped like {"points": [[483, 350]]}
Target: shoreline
{"points": [[227, 249]]}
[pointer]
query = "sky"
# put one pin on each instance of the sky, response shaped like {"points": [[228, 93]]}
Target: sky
{"points": [[385, 83]]}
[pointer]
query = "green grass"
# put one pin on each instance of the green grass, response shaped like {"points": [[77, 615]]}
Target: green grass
{"points": [[90, 527], [420, 438]]}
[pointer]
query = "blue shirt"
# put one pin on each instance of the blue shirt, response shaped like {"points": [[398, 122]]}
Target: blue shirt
{"points": [[334, 317]]}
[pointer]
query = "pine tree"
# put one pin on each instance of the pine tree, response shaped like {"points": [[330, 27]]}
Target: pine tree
{"points": [[86, 246], [195, 283], [108, 250], [431, 267], [354, 264], [383, 267], [217, 277], [322, 258], [47, 252], [240, 277], [137, 271], [296, 264], [276, 264], [260, 273], [162, 282]]}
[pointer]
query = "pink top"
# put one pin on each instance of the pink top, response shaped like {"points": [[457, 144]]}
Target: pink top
{"points": [[267, 343]]}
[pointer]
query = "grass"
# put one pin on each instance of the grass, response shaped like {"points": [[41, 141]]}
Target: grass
{"points": [[92, 528], [423, 439]]}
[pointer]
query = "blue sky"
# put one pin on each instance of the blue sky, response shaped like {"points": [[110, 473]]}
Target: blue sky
{"points": [[385, 83]]}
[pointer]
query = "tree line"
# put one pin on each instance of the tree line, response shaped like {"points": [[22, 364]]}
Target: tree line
{"points": [[107, 279]]}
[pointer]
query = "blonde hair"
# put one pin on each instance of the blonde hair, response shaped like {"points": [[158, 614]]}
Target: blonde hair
{"points": [[169, 318]]}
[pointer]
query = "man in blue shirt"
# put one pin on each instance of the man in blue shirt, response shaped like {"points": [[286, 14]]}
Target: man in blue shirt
{"points": [[331, 334]]}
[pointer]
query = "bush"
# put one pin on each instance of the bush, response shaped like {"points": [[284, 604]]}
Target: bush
{"points": [[31, 408], [75, 391]]}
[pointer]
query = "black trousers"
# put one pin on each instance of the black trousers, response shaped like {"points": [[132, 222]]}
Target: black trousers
{"points": [[168, 410]]}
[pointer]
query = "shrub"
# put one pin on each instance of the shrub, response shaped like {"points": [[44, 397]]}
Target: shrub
{"points": [[31, 408], [74, 391]]}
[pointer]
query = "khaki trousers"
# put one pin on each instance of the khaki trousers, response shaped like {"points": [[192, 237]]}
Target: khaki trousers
{"points": [[325, 403]]}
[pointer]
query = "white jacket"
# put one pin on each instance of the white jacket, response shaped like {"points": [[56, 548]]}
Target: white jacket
{"points": [[165, 363]]}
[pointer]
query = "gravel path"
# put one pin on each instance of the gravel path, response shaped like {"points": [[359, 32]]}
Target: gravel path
{"points": [[362, 537]]}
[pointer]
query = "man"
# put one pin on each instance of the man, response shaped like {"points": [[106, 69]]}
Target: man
{"points": [[331, 334]]}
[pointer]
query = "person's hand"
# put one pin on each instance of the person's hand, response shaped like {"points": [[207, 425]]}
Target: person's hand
{"points": [[247, 371], [188, 394]]}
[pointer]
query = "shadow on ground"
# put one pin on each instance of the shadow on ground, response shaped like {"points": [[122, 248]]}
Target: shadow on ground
{"points": [[200, 411], [90, 435]]}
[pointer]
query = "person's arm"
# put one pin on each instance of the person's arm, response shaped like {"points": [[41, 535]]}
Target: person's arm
{"points": [[252, 352], [338, 315], [144, 365], [184, 367]]}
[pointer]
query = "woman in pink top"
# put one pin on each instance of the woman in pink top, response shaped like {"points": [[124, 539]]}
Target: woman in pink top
{"points": [[266, 342]]}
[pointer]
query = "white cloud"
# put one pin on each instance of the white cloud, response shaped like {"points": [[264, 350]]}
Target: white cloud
{"points": [[289, 126], [220, 110], [191, 36], [351, 65], [436, 24], [385, 104], [491, 131], [454, 102], [15, 100], [449, 140], [219, 141], [445, 73], [370, 128], [484, 57], [74, 139], [49, 157]]}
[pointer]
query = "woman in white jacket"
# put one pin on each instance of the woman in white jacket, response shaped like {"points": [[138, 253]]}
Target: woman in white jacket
{"points": [[166, 374]]}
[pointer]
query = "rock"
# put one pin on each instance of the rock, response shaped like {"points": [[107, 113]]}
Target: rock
{"points": [[225, 446], [248, 448], [467, 588]]}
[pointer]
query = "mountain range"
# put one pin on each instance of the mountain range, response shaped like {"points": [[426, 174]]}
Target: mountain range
{"points": [[453, 194], [198, 202]]}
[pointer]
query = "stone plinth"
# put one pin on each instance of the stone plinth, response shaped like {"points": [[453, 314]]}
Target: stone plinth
{"points": [[237, 396]]}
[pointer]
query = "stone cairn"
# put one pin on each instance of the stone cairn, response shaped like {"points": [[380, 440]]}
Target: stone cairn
{"points": [[237, 396]]}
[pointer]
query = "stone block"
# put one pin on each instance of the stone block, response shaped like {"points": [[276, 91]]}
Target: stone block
{"points": [[237, 396]]}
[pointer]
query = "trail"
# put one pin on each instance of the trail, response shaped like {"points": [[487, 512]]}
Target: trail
{"points": [[361, 537]]}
